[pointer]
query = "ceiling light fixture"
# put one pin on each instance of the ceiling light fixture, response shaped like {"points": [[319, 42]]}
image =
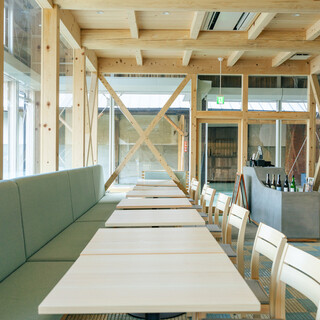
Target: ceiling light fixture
{"points": [[100, 12], [296, 15], [166, 13]]}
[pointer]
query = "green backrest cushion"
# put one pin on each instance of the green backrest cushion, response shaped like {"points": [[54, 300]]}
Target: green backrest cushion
{"points": [[82, 190], [99, 182], [12, 253], [162, 175], [46, 208]]}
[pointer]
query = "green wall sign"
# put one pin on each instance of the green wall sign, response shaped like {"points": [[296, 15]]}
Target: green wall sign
{"points": [[220, 99]]}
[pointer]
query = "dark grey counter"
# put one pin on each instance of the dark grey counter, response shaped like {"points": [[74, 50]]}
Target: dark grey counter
{"points": [[296, 214]]}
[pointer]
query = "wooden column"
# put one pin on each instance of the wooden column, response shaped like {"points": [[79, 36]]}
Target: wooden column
{"points": [[193, 128], [78, 112], [94, 125], [181, 144], [49, 131], [311, 130], [244, 124], [1, 89]]}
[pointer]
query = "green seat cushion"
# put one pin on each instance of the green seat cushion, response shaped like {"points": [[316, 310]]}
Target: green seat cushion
{"points": [[113, 197], [12, 253], [68, 245], [257, 289], [99, 182], [228, 250], [23, 291], [46, 208], [82, 190], [100, 212]]}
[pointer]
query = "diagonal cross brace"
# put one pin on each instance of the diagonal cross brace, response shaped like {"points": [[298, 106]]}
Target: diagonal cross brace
{"points": [[144, 134]]}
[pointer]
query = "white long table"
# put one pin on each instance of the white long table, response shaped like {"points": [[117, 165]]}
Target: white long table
{"points": [[151, 283], [152, 203], [155, 218], [157, 192], [156, 183]]}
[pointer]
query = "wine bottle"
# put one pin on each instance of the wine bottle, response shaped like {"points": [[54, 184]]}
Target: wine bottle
{"points": [[273, 184], [286, 185], [279, 187], [268, 184], [293, 185]]}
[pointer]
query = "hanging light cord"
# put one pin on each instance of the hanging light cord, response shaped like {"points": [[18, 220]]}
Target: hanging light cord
{"points": [[220, 78]]}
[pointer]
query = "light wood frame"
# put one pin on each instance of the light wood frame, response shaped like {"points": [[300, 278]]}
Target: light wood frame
{"points": [[208, 197]]}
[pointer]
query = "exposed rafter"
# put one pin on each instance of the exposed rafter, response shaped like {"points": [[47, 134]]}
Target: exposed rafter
{"points": [[139, 58], [315, 88], [132, 19], [262, 21], [315, 65], [186, 57], [281, 58], [292, 6], [314, 31], [179, 40], [45, 4], [70, 29], [196, 24], [234, 57], [91, 60]]}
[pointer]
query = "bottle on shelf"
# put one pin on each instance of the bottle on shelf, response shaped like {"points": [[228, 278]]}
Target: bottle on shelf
{"points": [[293, 185], [273, 184], [279, 186], [286, 184], [268, 184]]}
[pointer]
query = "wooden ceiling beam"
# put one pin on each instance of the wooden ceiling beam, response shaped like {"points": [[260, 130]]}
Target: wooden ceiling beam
{"points": [[91, 60], [315, 65], [45, 4], [314, 31], [196, 24], [175, 40], [132, 19], [202, 66], [234, 57], [186, 57], [281, 57], [289, 6], [70, 29], [139, 58], [262, 21]]}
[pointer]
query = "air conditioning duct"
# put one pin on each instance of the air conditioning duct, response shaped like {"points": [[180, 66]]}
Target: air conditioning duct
{"points": [[228, 21], [300, 56]]}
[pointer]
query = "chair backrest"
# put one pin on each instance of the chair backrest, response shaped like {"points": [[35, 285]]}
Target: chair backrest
{"points": [[270, 243], [238, 217], [222, 205], [299, 270], [195, 191], [203, 192], [191, 182], [208, 198]]}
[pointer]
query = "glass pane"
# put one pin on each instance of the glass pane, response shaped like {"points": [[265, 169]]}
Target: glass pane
{"points": [[293, 150], [228, 98], [65, 104], [22, 83], [263, 135]]}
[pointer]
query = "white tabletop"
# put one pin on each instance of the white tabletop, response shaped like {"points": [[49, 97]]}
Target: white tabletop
{"points": [[152, 241], [153, 203], [168, 192], [156, 183], [159, 218], [152, 188], [151, 284]]}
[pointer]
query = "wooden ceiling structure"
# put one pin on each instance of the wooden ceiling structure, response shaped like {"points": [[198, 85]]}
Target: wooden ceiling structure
{"points": [[168, 36]]}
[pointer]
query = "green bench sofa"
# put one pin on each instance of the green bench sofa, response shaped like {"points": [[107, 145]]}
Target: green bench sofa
{"points": [[45, 222]]}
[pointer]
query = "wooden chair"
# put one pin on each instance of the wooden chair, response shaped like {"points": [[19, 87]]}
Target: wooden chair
{"points": [[238, 217], [194, 191], [299, 270], [216, 230], [203, 192], [206, 211], [270, 243]]}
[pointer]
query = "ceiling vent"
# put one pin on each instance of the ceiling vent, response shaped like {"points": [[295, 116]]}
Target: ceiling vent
{"points": [[300, 56], [228, 21]]}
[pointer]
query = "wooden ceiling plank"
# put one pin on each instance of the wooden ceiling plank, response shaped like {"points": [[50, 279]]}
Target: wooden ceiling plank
{"points": [[70, 29], [196, 24], [171, 40], [262, 21], [202, 66], [289, 6], [132, 19], [234, 57], [281, 57], [186, 57], [315, 65], [139, 58], [45, 4], [314, 31]]}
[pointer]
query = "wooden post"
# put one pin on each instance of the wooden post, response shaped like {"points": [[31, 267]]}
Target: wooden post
{"points": [[311, 129], [1, 89], [78, 112], [244, 124], [193, 127], [94, 124], [49, 130], [181, 144]]}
